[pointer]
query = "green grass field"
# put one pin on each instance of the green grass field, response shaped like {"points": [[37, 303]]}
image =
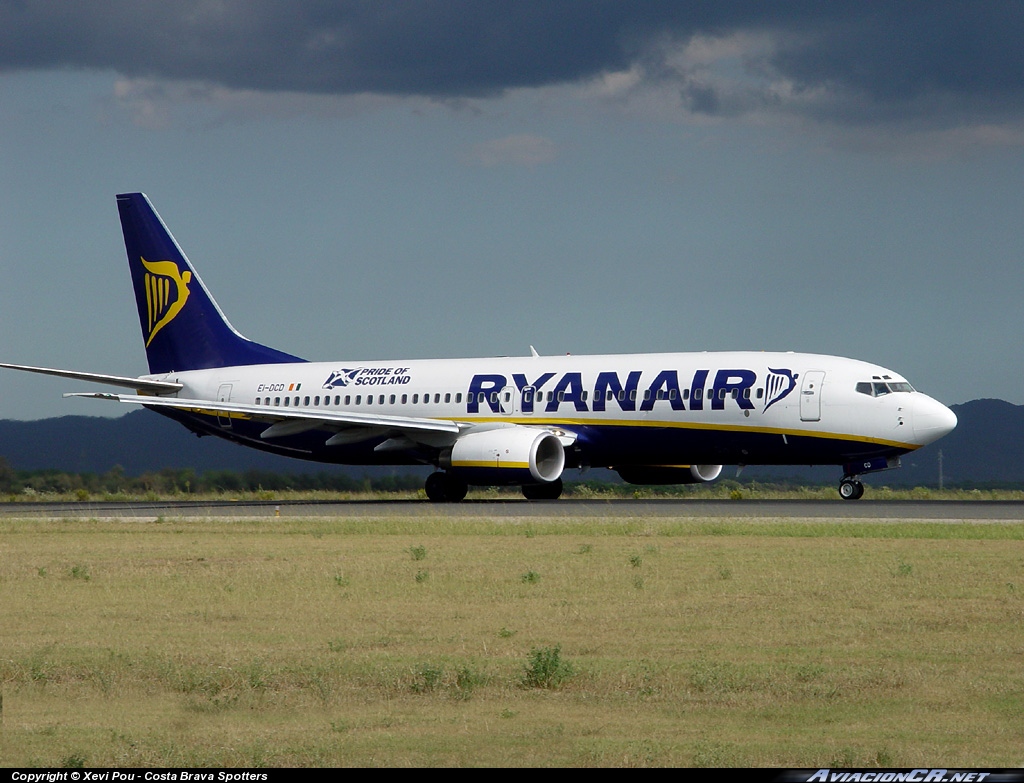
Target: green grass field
{"points": [[400, 642]]}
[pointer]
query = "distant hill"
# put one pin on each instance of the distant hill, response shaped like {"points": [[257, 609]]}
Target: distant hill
{"points": [[143, 442], [986, 447]]}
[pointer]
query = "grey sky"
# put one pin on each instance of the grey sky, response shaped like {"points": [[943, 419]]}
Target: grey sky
{"points": [[358, 180]]}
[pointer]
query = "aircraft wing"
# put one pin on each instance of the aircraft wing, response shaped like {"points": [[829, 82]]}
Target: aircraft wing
{"points": [[139, 384], [288, 421]]}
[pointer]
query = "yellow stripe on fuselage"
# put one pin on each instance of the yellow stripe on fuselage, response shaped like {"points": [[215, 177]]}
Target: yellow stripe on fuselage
{"points": [[707, 427]]}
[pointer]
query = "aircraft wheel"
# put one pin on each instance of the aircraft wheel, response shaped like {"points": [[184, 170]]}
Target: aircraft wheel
{"points": [[455, 488], [445, 488], [551, 491], [435, 488], [851, 489]]}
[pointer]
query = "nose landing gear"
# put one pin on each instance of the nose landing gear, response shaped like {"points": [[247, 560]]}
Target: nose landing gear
{"points": [[850, 488]]}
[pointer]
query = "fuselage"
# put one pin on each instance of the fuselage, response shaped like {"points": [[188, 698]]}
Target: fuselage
{"points": [[735, 408]]}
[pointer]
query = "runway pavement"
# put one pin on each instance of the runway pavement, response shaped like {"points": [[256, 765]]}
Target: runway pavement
{"points": [[940, 510]]}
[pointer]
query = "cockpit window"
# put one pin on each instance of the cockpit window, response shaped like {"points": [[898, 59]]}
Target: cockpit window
{"points": [[880, 388]]}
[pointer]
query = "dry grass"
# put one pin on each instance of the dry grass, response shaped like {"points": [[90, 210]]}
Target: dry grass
{"points": [[406, 642]]}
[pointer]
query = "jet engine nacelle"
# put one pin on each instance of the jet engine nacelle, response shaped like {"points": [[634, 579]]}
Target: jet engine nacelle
{"points": [[507, 455], [657, 474]]}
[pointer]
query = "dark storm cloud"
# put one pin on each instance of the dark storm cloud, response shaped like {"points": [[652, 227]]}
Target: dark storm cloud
{"points": [[849, 61]]}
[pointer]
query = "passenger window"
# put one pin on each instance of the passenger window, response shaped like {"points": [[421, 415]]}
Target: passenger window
{"points": [[286, 402], [448, 397], [306, 401], [392, 399], [405, 399], [437, 398], [266, 401], [458, 397], [277, 401], [359, 399], [257, 400]]}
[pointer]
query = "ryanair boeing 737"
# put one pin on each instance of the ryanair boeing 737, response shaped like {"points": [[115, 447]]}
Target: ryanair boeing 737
{"points": [[669, 418]]}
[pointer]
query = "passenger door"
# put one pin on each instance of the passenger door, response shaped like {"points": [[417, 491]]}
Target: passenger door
{"points": [[810, 395]]}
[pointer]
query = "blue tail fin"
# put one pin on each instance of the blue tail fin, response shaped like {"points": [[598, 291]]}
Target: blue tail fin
{"points": [[182, 326]]}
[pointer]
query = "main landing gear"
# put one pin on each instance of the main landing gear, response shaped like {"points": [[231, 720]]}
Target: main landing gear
{"points": [[549, 491], [850, 488], [445, 488]]}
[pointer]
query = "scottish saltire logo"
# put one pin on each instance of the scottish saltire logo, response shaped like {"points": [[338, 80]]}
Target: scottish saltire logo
{"points": [[778, 385], [166, 294], [341, 378]]}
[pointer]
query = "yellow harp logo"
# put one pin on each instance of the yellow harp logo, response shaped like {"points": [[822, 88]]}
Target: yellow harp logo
{"points": [[166, 293]]}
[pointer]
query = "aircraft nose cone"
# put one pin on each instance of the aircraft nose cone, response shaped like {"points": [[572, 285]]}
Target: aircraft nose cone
{"points": [[932, 419]]}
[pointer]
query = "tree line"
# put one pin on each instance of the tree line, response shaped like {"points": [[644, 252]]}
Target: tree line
{"points": [[169, 482], [175, 481]]}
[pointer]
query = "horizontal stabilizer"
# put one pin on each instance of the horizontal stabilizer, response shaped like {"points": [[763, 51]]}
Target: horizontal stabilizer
{"points": [[140, 384]]}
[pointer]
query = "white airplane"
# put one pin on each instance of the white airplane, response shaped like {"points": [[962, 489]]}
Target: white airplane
{"points": [[669, 418]]}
